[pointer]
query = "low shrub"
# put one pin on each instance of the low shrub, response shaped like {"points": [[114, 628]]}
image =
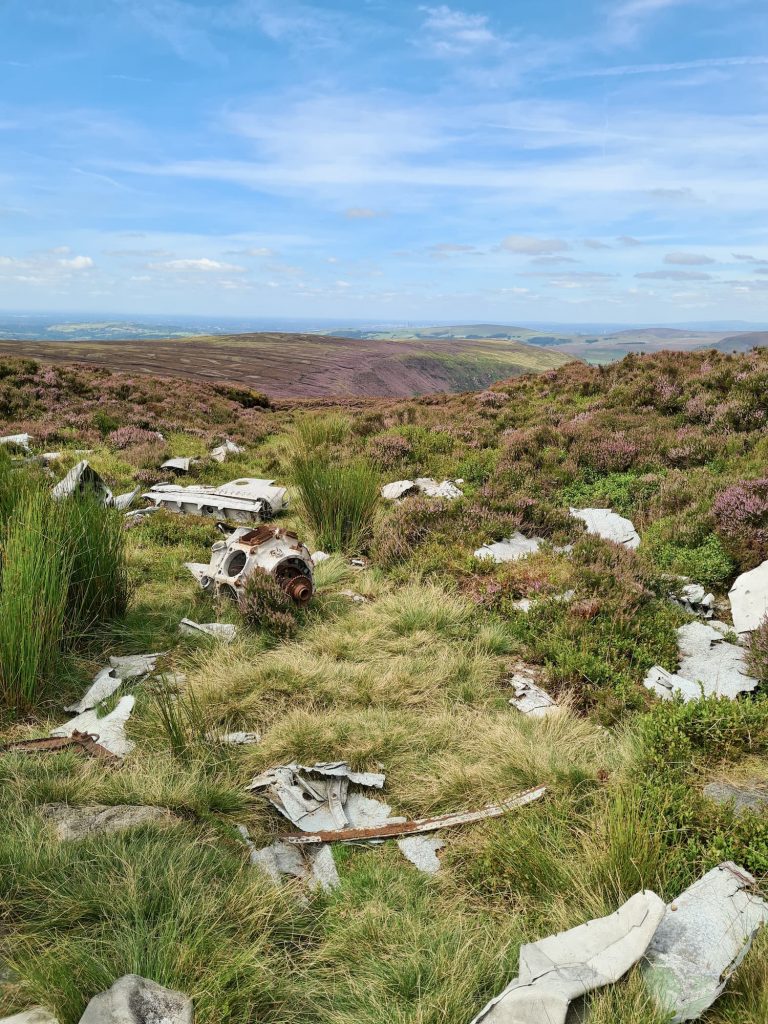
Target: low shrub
{"points": [[741, 515], [265, 605]]}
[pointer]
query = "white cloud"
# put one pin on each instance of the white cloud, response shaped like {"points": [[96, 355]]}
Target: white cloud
{"points": [[203, 265], [659, 69], [77, 263], [449, 32], [361, 213]]}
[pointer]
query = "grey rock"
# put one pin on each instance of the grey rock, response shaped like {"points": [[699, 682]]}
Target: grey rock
{"points": [[76, 822], [135, 1000], [750, 797], [709, 666], [218, 630], [749, 599], [35, 1015]]}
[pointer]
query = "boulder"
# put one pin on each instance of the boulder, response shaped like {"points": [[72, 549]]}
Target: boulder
{"points": [[749, 599], [135, 1000]]}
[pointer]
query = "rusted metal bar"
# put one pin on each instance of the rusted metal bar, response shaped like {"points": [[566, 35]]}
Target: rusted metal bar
{"points": [[84, 741], [420, 825]]}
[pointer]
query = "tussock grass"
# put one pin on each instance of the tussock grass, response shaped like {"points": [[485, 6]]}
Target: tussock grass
{"points": [[336, 502]]}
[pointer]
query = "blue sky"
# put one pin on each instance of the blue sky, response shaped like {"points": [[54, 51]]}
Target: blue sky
{"points": [[528, 159]]}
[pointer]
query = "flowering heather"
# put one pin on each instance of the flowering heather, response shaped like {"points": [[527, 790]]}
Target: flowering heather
{"points": [[608, 454], [390, 449], [129, 437], [758, 652], [741, 515], [491, 399]]}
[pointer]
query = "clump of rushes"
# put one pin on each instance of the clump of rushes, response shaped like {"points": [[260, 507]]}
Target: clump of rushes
{"points": [[98, 578], [36, 565], [63, 573], [265, 605], [337, 502]]}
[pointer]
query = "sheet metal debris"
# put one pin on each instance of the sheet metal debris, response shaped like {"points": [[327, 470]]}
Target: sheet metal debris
{"points": [[703, 938], [222, 452], [247, 500], [556, 970], [709, 666], [81, 479], [421, 485], [86, 743], [22, 441], [529, 697], [234, 739], [749, 599], [750, 796], [608, 525], [314, 866], [121, 670], [421, 851], [269, 549], [219, 630], [313, 797], [181, 464], [391, 829], [109, 730]]}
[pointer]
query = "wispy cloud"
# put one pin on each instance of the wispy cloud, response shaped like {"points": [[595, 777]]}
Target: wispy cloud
{"points": [[688, 259], [528, 246], [674, 275], [660, 69], [447, 32], [202, 265]]}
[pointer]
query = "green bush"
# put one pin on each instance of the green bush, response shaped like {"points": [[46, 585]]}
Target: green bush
{"points": [[337, 502], [708, 564]]}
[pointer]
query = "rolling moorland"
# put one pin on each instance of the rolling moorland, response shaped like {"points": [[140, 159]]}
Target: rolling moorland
{"points": [[412, 681], [287, 365]]}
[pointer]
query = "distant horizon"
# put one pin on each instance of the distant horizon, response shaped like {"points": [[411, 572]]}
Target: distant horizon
{"points": [[559, 162]]}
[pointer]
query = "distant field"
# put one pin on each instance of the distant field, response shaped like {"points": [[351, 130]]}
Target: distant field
{"points": [[309, 365], [591, 348]]}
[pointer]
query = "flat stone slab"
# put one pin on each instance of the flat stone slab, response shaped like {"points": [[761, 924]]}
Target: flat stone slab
{"points": [[749, 599], [35, 1015], [76, 822], [746, 797], [709, 666]]}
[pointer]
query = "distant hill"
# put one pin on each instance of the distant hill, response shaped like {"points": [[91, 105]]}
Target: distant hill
{"points": [[284, 365], [742, 342]]}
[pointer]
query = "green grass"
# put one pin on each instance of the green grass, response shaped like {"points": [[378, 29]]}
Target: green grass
{"points": [[412, 682]]}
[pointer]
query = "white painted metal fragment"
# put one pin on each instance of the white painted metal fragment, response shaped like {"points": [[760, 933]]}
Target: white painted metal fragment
{"points": [[109, 679], [706, 933], [180, 464], [122, 502], [609, 525], [234, 739], [530, 698], [219, 630], [110, 729], [82, 478], [421, 485], [749, 599], [247, 500], [422, 851], [19, 440], [223, 451], [558, 969], [398, 489]]}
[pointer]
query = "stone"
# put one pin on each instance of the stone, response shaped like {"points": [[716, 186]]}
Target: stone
{"points": [[35, 1015], [742, 798], [709, 666], [218, 630], [135, 1000], [609, 525], [749, 599], [76, 822]]}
